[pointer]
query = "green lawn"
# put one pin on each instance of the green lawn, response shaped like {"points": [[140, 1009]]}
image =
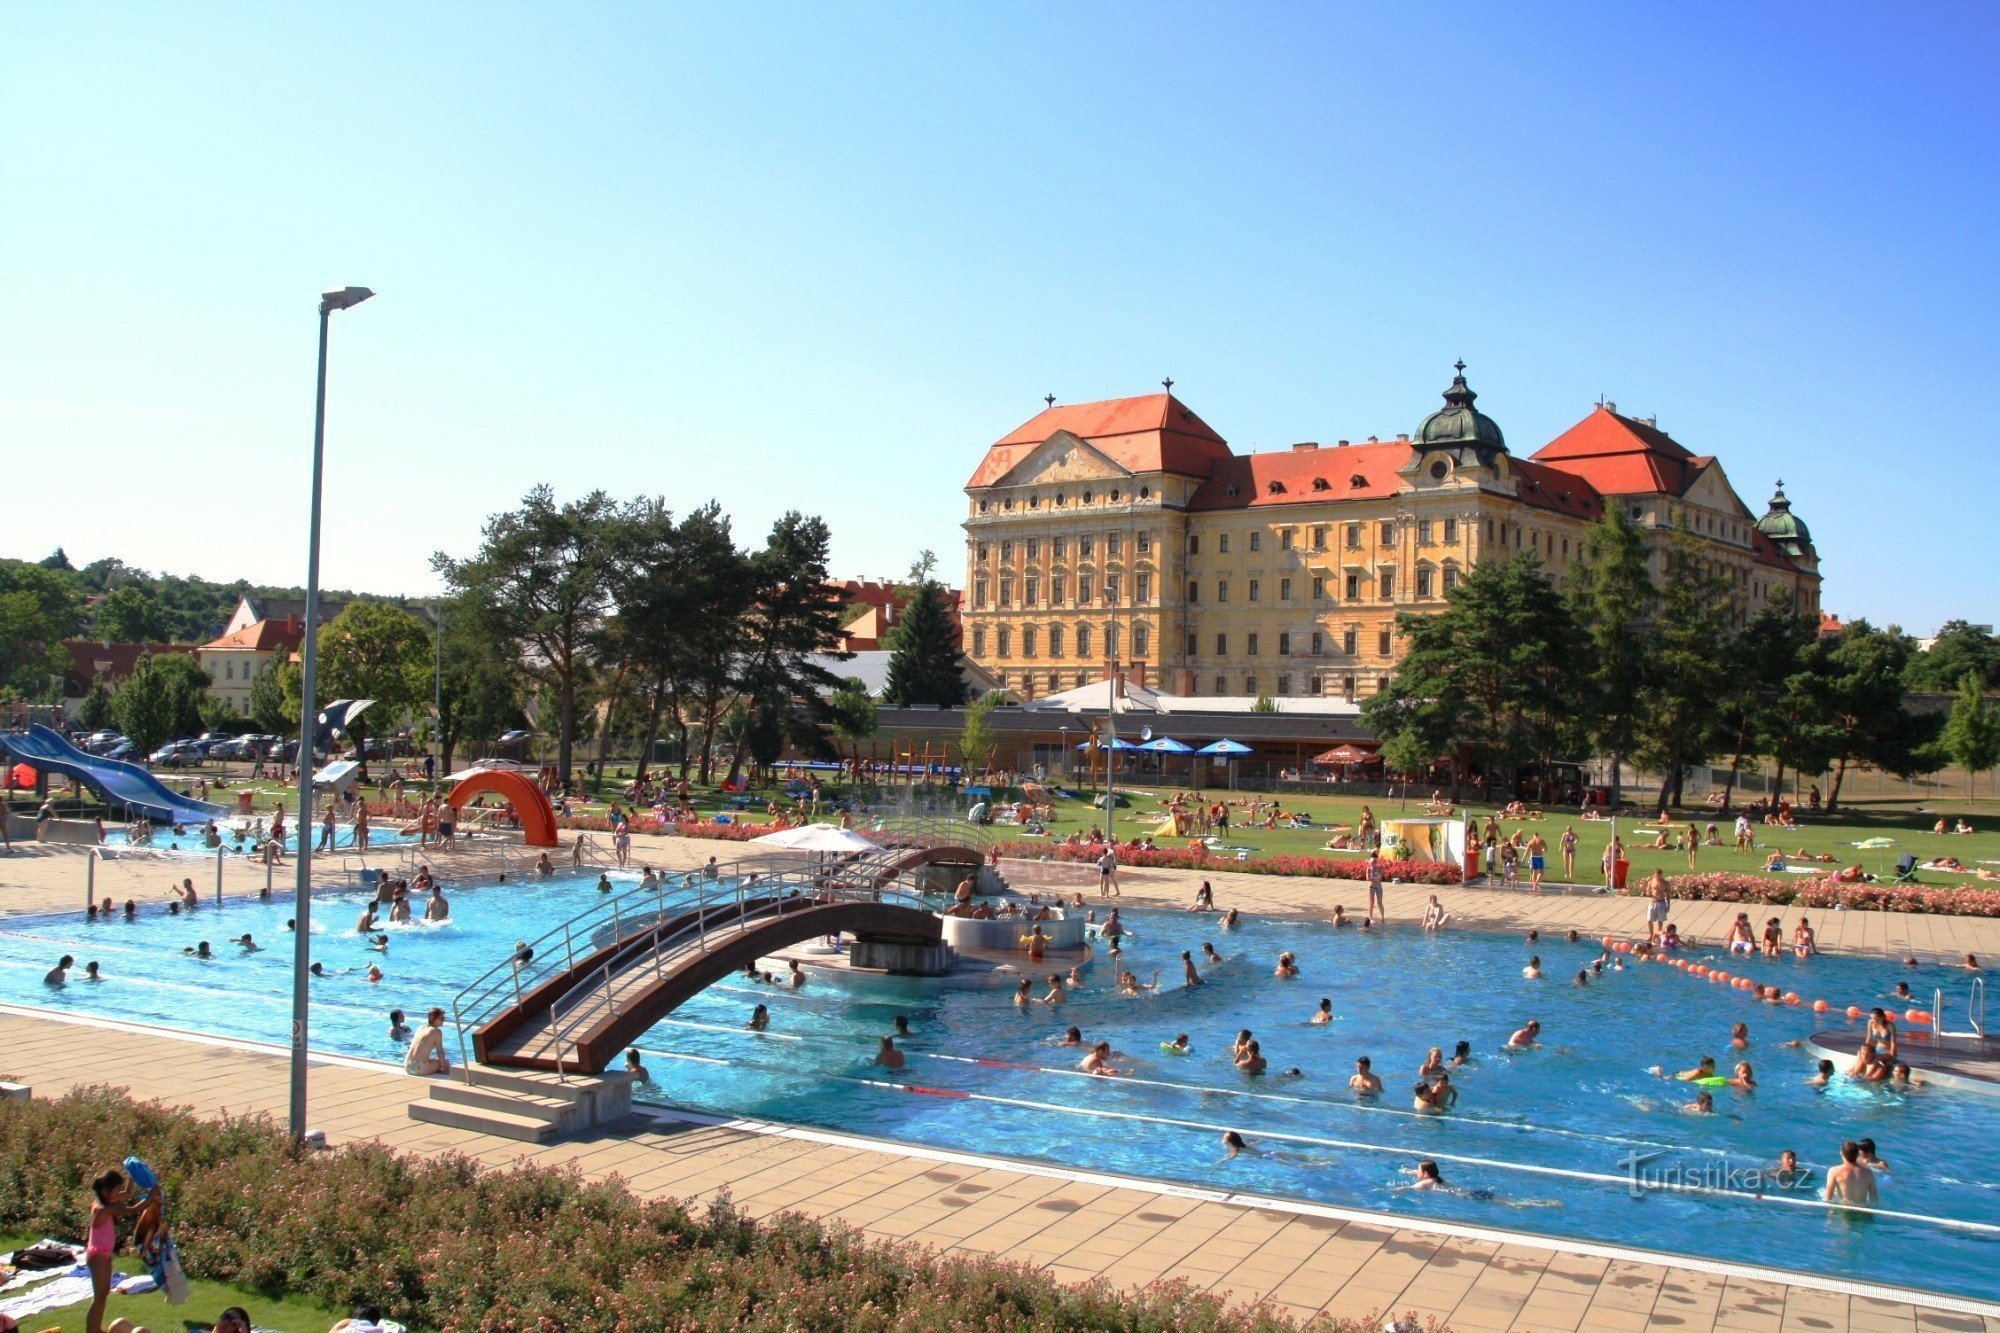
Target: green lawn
{"points": [[206, 1300], [1824, 834]]}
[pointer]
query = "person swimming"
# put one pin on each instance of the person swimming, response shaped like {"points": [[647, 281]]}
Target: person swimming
{"points": [[246, 944], [1533, 971], [1189, 975], [1178, 1046], [1287, 968], [1462, 1054], [1024, 994], [1525, 1038], [200, 951], [1823, 1075], [1324, 1014], [1072, 1036], [1229, 919], [1209, 957], [1364, 1081], [1739, 1036], [760, 1018], [1252, 1060], [1099, 1061]]}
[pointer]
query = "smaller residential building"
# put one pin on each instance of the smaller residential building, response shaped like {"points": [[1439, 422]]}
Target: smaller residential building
{"points": [[873, 609], [234, 661]]}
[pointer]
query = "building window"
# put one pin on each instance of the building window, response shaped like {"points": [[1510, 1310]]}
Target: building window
{"points": [[1222, 543], [1423, 532], [1082, 680], [1450, 531], [1353, 587], [1055, 648], [1111, 642], [1222, 590], [1194, 591], [1006, 591], [1144, 541], [1319, 590], [1284, 590], [1387, 581], [1006, 553], [1033, 589], [1058, 547], [1083, 640], [1319, 646], [229, 671], [1221, 685], [1450, 578], [1114, 543], [1284, 683], [1006, 641], [1353, 536], [1142, 588], [979, 642], [1387, 534], [1222, 645], [1255, 594], [1142, 640], [1034, 548], [1314, 684], [1194, 646], [1083, 590], [1083, 547], [1350, 642], [1055, 682], [979, 551], [1284, 539], [1028, 641], [1382, 643], [1250, 685], [1256, 541], [1194, 543], [1111, 589], [979, 592], [1423, 583], [1056, 581], [1284, 643], [1347, 688], [1250, 646], [1319, 539]]}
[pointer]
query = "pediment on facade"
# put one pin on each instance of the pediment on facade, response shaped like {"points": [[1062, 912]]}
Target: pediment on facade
{"points": [[1064, 457], [1711, 490]]}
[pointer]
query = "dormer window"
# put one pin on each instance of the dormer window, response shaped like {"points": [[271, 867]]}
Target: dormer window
{"points": [[1276, 488], [1322, 484], [1086, 497], [1231, 492], [1358, 482], [1114, 495]]}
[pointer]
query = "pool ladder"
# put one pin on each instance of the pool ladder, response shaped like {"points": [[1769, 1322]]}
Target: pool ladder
{"points": [[1975, 1011]]}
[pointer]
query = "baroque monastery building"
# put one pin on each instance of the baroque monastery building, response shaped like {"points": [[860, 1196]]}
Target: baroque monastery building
{"points": [[1126, 533]]}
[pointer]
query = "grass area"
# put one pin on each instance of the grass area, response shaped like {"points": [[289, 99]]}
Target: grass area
{"points": [[206, 1300]]}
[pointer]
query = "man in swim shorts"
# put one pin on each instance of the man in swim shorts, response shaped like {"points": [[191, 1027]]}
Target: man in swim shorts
{"points": [[1851, 1183], [1538, 861]]}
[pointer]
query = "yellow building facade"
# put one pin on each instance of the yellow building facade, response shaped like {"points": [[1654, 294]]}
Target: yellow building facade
{"points": [[1127, 533]]}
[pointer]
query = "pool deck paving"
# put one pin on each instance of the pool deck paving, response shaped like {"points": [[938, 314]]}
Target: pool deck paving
{"points": [[1301, 1259]]}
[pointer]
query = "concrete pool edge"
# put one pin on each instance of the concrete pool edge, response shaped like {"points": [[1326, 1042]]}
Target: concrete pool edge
{"points": [[1386, 1221]]}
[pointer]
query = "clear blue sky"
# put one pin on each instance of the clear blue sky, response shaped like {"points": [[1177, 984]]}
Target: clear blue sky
{"points": [[819, 257]]}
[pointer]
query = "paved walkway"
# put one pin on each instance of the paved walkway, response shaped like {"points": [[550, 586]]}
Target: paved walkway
{"points": [[1303, 1259]]}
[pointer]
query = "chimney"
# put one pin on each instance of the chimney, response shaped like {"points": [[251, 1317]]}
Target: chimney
{"points": [[1654, 422], [1402, 437], [1306, 444], [1343, 444], [1611, 407]]}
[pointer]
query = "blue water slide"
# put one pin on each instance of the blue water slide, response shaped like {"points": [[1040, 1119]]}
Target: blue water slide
{"points": [[115, 780]]}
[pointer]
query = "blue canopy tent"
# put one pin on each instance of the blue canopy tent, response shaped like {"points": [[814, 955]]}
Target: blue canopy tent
{"points": [[1167, 745]]}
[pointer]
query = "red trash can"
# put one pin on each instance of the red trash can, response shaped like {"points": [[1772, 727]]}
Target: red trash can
{"points": [[243, 802], [1618, 869]]}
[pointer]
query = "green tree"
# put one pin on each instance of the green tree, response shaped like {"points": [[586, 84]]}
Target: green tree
{"points": [[130, 614], [478, 685], [1850, 698], [977, 740], [1680, 725], [95, 711], [160, 700], [854, 713], [1972, 733], [925, 669], [1486, 681], [57, 560], [542, 579], [380, 652], [1958, 649], [1611, 597], [1263, 703], [38, 610], [271, 712], [795, 615], [1754, 709]]}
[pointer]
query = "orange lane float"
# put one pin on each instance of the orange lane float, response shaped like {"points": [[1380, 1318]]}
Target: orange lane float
{"points": [[1791, 997], [1854, 1011], [1820, 1006]]}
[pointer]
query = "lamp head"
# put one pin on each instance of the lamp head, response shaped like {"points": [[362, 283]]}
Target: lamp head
{"points": [[342, 298]]}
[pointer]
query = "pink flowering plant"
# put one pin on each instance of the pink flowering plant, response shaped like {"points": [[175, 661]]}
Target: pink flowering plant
{"points": [[1199, 857], [1829, 892]]}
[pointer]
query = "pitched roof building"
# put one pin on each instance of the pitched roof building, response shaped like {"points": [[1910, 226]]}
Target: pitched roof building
{"points": [[1127, 532]]}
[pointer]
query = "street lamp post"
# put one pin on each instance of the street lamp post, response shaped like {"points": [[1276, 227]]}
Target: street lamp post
{"points": [[1111, 721], [329, 302]]}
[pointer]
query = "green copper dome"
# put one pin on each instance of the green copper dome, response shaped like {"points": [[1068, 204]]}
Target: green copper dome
{"points": [[1459, 425], [1784, 527]]}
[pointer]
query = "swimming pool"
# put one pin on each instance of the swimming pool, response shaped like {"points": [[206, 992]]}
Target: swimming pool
{"points": [[189, 843], [1543, 1141]]}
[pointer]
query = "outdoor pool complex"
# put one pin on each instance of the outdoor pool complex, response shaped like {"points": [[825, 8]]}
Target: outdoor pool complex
{"points": [[1541, 1141], [386, 833]]}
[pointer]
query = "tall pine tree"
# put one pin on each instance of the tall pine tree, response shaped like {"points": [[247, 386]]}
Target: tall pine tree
{"points": [[1611, 596], [924, 666]]}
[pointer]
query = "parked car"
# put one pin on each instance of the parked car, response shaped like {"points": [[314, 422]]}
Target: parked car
{"points": [[175, 754], [122, 750], [100, 741]]}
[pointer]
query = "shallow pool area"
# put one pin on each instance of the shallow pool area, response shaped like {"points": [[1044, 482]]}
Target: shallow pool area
{"points": [[1575, 1139]]}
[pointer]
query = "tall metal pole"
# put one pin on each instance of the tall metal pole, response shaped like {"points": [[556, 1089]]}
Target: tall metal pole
{"points": [[437, 698], [1111, 725], [308, 725]]}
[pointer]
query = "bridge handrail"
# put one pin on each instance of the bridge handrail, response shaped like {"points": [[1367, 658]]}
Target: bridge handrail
{"points": [[594, 993], [506, 982]]}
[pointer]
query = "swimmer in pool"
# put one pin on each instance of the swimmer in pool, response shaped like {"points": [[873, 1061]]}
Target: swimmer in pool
{"points": [[437, 909], [200, 951], [1232, 1144], [318, 970], [1287, 969], [1583, 976], [1340, 917], [1786, 1173], [1252, 1060], [1525, 1039], [760, 1018], [1241, 1043], [1076, 976], [1130, 986], [58, 976], [247, 945], [1178, 1046], [1851, 1183], [1868, 1157], [1209, 957], [1189, 976], [1533, 971], [1704, 1068], [1822, 1076], [903, 1027], [1229, 919], [400, 1030], [365, 923], [1072, 1036], [1363, 1081], [1704, 1104], [90, 973], [1057, 992], [1902, 992], [1462, 1054], [1099, 1061], [1900, 1079], [374, 973], [888, 1056], [1324, 1014], [1743, 1077], [603, 882], [1024, 994], [1739, 1036]]}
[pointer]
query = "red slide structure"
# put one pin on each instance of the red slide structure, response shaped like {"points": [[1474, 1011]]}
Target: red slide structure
{"points": [[531, 804]]}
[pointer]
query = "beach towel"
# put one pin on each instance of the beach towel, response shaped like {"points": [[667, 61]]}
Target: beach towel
{"points": [[68, 1289]]}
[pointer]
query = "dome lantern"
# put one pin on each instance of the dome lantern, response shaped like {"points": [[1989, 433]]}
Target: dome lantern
{"points": [[1460, 428]]}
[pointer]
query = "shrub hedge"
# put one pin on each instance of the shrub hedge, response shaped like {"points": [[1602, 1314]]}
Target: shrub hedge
{"points": [[1826, 893], [1200, 858], [442, 1243]]}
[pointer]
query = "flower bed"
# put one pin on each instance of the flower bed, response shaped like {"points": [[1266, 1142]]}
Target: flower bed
{"points": [[1827, 893], [1200, 858], [706, 828], [442, 1243]]}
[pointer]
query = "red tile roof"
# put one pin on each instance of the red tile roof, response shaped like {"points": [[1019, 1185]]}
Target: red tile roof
{"points": [[1621, 456], [1297, 476], [1555, 489], [264, 636], [81, 670], [1152, 433]]}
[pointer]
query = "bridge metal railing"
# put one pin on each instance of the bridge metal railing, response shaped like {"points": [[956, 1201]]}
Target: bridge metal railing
{"points": [[751, 901]]}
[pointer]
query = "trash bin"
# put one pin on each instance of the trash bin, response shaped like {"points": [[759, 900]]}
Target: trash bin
{"points": [[244, 801], [1618, 869]]}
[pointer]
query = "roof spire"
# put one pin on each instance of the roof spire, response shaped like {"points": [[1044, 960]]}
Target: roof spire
{"points": [[1049, 398], [1168, 384]]}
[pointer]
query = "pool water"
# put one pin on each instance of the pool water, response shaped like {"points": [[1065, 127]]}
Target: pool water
{"points": [[165, 840], [1541, 1141]]}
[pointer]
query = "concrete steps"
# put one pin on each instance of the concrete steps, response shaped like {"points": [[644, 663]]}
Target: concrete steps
{"points": [[500, 1124], [522, 1104]]}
